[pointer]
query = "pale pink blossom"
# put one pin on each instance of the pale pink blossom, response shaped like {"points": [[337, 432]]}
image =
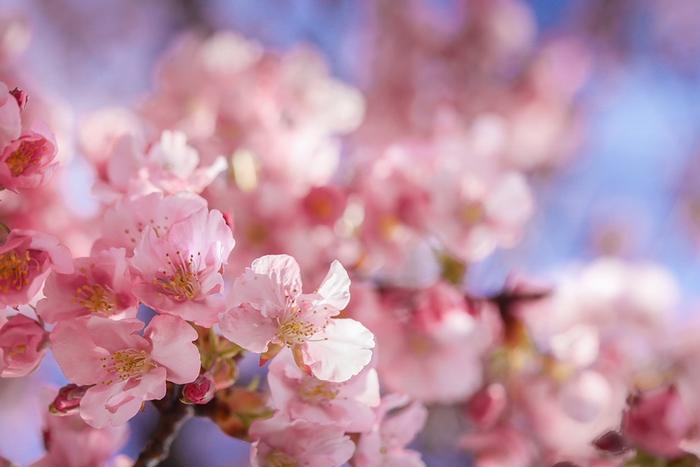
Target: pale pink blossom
{"points": [[124, 368], [269, 308], [101, 130], [278, 442], [69, 441], [289, 110], [569, 412], [179, 271], [125, 223], [398, 421], [347, 405], [26, 259], [422, 336], [324, 204], [27, 161], [475, 214], [100, 284], [396, 205], [173, 165], [23, 343], [169, 166]]}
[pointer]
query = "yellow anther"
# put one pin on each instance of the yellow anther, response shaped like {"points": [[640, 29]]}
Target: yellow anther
{"points": [[95, 298], [128, 363], [14, 270]]}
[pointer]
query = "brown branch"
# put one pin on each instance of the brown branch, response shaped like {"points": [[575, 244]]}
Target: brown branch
{"points": [[172, 417]]}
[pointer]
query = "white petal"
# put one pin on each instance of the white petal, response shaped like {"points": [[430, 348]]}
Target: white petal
{"points": [[340, 352], [335, 287]]}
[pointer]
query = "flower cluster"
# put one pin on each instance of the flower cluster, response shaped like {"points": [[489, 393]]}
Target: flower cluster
{"points": [[245, 174]]}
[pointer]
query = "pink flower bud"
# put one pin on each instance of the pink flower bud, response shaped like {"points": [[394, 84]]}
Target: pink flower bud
{"points": [[657, 421], [21, 96], [487, 405], [200, 391], [68, 399]]}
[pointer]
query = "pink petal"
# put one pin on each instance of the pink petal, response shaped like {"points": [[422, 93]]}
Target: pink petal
{"points": [[10, 121], [116, 404], [335, 287], [173, 348], [248, 328], [76, 352], [268, 282], [340, 351], [399, 429]]}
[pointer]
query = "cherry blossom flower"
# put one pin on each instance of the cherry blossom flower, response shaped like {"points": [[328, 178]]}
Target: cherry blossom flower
{"points": [[125, 223], [324, 204], [70, 441], [659, 422], [422, 336], [277, 441], [27, 149], [100, 285], [26, 259], [348, 405], [27, 161], [180, 271], [124, 368], [398, 421], [22, 346], [479, 213], [269, 309], [170, 166]]}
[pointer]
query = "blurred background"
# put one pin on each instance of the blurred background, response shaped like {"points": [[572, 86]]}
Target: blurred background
{"points": [[623, 181]]}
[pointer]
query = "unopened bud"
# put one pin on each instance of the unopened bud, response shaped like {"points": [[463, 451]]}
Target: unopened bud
{"points": [[612, 442], [200, 391], [68, 399], [20, 96], [487, 405]]}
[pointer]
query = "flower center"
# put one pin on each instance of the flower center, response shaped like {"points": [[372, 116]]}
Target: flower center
{"points": [[182, 284], [420, 344], [257, 234], [14, 270], [127, 364], [295, 331], [279, 459], [321, 208], [95, 298], [27, 154], [318, 391], [18, 350], [389, 226], [473, 213]]}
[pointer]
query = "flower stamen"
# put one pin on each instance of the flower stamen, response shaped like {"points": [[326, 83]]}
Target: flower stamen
{"points": [[127, 364], [95, 298], [14, 270], [27, 154]]}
